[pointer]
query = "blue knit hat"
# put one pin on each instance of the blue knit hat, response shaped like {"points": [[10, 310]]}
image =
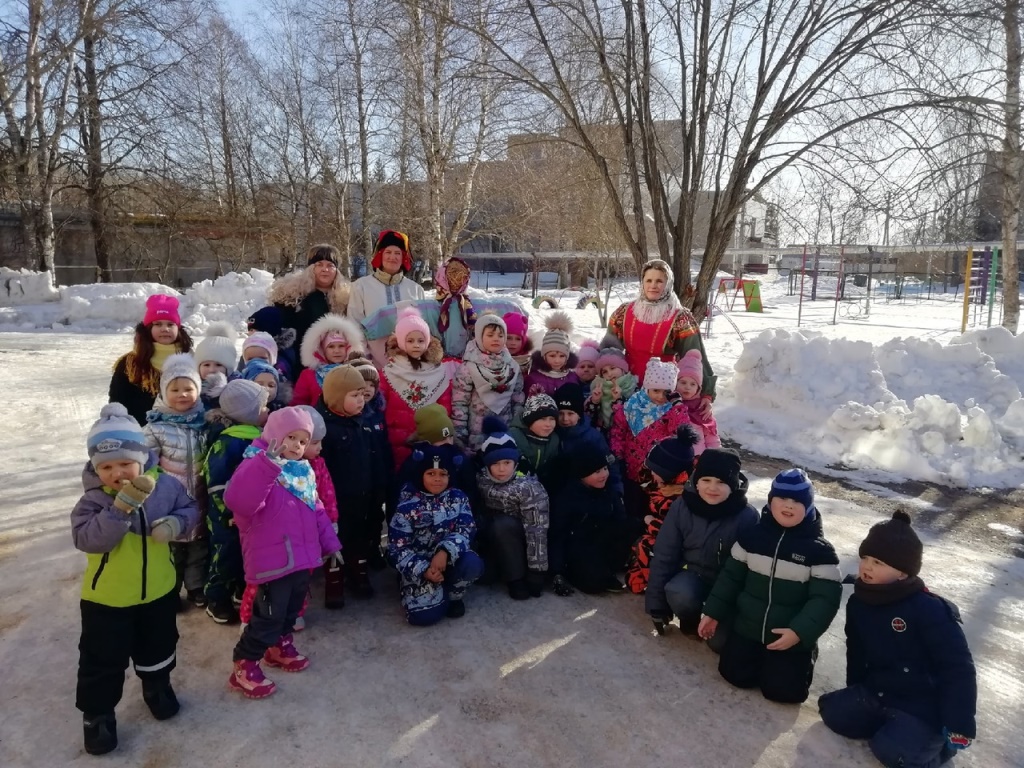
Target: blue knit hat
{"points": [[116, 437], [793, 484], [256, 366], [498, 444]]}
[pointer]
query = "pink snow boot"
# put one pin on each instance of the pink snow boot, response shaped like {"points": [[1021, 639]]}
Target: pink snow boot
{"points": [[247, 678], [285, 656]]}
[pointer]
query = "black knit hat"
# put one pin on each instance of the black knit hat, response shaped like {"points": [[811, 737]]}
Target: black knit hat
{"points": [[673, 456], [721, 463], [587, 459], [569, 397], [539, 407], [425, 456], [895, 543]]}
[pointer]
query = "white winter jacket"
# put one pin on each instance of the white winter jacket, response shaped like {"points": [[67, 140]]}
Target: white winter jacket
{"points": [[370, 294]]}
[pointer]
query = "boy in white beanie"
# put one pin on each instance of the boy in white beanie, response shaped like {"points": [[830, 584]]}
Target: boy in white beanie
{"points": [[123, 522], [215, 357]]}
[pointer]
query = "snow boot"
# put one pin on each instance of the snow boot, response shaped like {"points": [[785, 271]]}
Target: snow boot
{"points": [[334, 586], [285, 656], [222, 611], [518, 590], [197, 598], [100, 733], [160, 698], [359, 580], [456, 609], [248, 679]]}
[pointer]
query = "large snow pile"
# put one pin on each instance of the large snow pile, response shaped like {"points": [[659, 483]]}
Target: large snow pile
{"points": [[22, 286], [909, 409]]}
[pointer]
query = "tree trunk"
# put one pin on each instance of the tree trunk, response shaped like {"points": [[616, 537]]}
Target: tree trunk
{"points": [[1011, 166], [92, 140]]}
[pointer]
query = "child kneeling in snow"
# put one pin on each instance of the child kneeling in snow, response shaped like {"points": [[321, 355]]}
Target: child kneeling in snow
{"points": [[285, 533], [912, 689], [129, 512], [429, 538]]}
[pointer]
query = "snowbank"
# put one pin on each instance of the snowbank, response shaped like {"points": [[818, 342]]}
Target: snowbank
{"points": [[22, 286]]}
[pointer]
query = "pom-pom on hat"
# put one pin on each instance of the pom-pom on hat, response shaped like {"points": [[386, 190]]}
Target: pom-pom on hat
{"points": [[895, 543], [387, 238], [319, 427], [160, 306], [179, 366], [660, 375], [409, 320], [516, 324], [267, 319], [218, 346], [793, 484], [243, 401], [498, 444], [424, 457], [692, 364], [672, 458], [615, 357], [116, 436], [589, 352], [557, 339], [337, 384], [587, 459], [721, 463], [285, 421], [482, 322], [539, 407], [263, 341], [569, 397], [256, 367], [433, 424]]}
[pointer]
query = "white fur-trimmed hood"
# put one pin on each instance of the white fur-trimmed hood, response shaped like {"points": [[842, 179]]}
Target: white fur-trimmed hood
{"points": [[350, 329]]}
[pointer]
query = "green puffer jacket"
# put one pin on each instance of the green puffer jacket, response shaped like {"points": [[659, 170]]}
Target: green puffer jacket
{"points": [[779, 577]]}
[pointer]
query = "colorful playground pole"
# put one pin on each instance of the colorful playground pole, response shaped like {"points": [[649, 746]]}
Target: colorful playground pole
{"points": [[996, 253], [967, 288]]}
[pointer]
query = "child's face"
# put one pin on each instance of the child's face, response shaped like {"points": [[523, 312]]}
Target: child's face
{"points": [[114, 474], [788, 513], [493, 339], [543, 427], [556, 359], [597, 479], [182, 395], [514, 343], [435, 481], [208, 368], [336, 352], [611, 373], [164, 332], [313, 449], [874, 571], [269, 383], [587, 371], [713, 490], [255, 353], [415, 344], [658, 396], [502, 470], [687, 387], [294, 444], [369, 391], [353, 402], [567, 418]]}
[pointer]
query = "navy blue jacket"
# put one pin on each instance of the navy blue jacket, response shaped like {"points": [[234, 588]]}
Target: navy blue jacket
{"points": [[572, 438], [354, 454], [913, 654], [583, 512]]}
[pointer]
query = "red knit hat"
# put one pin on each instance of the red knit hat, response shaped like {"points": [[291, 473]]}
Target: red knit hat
{"points": [[391, 237]]}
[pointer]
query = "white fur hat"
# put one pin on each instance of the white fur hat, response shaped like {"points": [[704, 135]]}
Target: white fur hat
{"points": [[659, 375], [218, 346]]}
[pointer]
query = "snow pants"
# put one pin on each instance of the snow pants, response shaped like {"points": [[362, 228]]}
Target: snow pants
{"points": [[225, 576], [896, 738], [457, 579], [190, 558], [502, 543], [275, 607], [146, 635], [782, 676]]}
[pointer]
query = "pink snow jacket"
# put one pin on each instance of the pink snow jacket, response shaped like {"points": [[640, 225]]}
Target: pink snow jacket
{"points": [[325, 488], [280, 534], [632, 449], [707, 428]]}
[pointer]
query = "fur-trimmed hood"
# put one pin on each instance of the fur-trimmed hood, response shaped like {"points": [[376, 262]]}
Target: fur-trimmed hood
{"points": [[538, 363], [433, 355], [286, 339], [218, 421], [291, 289], [309, 352]]}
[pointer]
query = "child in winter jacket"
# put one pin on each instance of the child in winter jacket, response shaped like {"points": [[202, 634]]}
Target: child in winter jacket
{"points": [[614, 385], [694, 542], [688, 387], [328, 343], [128, 513], [435, 428], [416, 375], [215, 357], [554, 363], [285, 533], [374, 419], [537, 441], [136, 380], [669, 465], [780, 590], [488, 383], [361, 470], [268, 377], [176, 430], [912, 688], [429, 539], [518, 341], [513, 520], [590, 533], [270, 320], [243, 410], [575, 431], [586, 365]]}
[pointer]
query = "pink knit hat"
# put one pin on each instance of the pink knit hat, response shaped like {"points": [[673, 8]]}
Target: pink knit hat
{"points": [[409, 320], [692, 365], [263, 341], [516, 323], [161, 307], [286, 420], [659, 375], [589, 352], [614, 357]]}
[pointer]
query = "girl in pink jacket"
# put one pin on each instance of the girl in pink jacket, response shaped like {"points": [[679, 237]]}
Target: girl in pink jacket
{"points": [[415, 376], [285, 533], [331, 341]]}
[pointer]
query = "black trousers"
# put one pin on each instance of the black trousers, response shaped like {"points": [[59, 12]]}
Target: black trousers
{"points": [[501, 542], [147, 635], [596, 554], [274, 610], [782, 676], [360, 522]]}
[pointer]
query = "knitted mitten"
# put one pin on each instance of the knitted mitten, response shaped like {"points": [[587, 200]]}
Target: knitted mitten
{"points": [[133, 495]]}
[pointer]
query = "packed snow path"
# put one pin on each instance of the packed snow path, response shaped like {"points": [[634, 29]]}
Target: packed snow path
{"points": [[564, 682]]}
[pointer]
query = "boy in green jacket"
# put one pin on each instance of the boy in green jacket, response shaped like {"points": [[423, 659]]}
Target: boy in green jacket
{"points": [[780, 589]]}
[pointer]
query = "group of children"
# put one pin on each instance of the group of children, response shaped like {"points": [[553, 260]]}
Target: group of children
{"points": [[552, 468]]}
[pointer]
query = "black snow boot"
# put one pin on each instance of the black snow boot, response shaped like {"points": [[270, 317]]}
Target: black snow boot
{"points": [[160, 698], [222, 612], [456, 609], [100, 733]]}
